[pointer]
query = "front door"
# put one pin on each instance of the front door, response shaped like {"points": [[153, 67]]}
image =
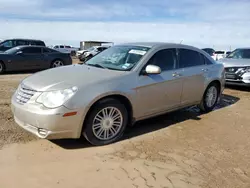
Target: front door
{"points": [[157, 93], [33, 58], [193, 68]]}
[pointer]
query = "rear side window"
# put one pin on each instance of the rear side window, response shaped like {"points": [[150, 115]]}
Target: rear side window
{"points": [[67, 46], [189, 58], [31, 50], [206, 60], [47, 50], [219, 52], [21, 42], [165, 59], [40, 43]]}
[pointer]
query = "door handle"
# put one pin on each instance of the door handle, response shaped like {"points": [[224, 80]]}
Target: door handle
{"points": [[176, 74], [204, 70]]}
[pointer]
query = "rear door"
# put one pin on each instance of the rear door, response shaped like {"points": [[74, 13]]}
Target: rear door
{"points": [[193, 70], [160, 92], [33, 57]]}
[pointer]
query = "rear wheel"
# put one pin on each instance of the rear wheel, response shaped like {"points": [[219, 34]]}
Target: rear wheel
{"points": [[2, 68], [106, 122], [210, 98], [57, 63]]}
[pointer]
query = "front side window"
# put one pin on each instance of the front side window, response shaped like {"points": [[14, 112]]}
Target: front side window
{"points": [[189, 58], [240, 54], [32, 50], [7, 44], [12, 50], [122, 58], [165, 59], [61, 46]]}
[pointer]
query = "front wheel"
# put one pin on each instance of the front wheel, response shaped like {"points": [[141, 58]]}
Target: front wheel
{"points": [[2, 68], [210, 98], [106, 122]]}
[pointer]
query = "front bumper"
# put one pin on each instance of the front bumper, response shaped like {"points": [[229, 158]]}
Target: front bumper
{"points": [[47, 123], [238, 79]]}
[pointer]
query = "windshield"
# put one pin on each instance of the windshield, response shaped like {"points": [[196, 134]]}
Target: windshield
{"points": [[12, 50], [122, 58], [91, 49], [240, 54]]}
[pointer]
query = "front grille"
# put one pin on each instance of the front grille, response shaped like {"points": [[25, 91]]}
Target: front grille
{"points": [[24, 94]]}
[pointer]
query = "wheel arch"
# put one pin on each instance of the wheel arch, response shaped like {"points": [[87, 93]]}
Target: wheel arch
{"points": [[216, 81], [4, 65], [120, 97]]}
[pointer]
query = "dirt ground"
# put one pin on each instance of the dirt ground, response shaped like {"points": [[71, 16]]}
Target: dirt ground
{"points": [[177, 150]]}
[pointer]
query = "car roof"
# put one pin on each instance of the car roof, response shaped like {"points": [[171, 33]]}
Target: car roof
{"points": [[30, 46], [159, 44], [246, 48], [24, 39]]}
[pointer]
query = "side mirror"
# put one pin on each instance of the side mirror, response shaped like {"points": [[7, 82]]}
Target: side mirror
{"points": [[152, 69], [19, 53]]}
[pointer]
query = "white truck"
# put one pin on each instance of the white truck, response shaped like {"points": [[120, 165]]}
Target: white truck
{"points": [[66, 49]]}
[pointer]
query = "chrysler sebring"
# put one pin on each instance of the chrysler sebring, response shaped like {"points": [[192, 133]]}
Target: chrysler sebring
{"points": [[119, 86]]}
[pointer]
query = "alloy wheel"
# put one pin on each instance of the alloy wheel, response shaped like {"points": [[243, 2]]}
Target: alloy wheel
{"points": [[211, 96], [57, 63], [107, 123]]}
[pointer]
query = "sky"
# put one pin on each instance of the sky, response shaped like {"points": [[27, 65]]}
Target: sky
{"points": [[202, 23]]}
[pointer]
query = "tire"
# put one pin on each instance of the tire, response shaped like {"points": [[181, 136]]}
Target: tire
{"points": [[90, 132], [205, 105], [57, 63], [2, 67]]}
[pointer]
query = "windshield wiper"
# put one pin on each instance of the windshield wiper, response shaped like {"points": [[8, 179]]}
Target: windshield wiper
{"points": [[97, 65]]}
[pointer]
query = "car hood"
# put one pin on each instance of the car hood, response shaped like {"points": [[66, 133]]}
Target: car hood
{"points": [[68, 76], [228, 62]]}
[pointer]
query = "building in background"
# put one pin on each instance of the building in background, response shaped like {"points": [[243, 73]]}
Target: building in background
{"points": [[88, 44]]}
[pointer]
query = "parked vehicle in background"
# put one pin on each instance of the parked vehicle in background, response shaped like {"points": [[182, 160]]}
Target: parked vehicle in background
{"points": [[91, 52], [66, 49], [237, 67], [80, 52], [210, 51], [228, 52], [220, 55], [11, 43], [122, 85], [32, 58]]}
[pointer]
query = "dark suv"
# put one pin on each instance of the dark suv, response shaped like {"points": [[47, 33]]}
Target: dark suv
{"points": [[11, 43]]}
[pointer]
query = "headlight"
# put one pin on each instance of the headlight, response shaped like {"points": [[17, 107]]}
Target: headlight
{"points": [[247, 69], [53, 99], [86, 54]]}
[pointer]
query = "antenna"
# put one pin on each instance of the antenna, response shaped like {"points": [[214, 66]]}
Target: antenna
{"points": [[181, 41]]}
